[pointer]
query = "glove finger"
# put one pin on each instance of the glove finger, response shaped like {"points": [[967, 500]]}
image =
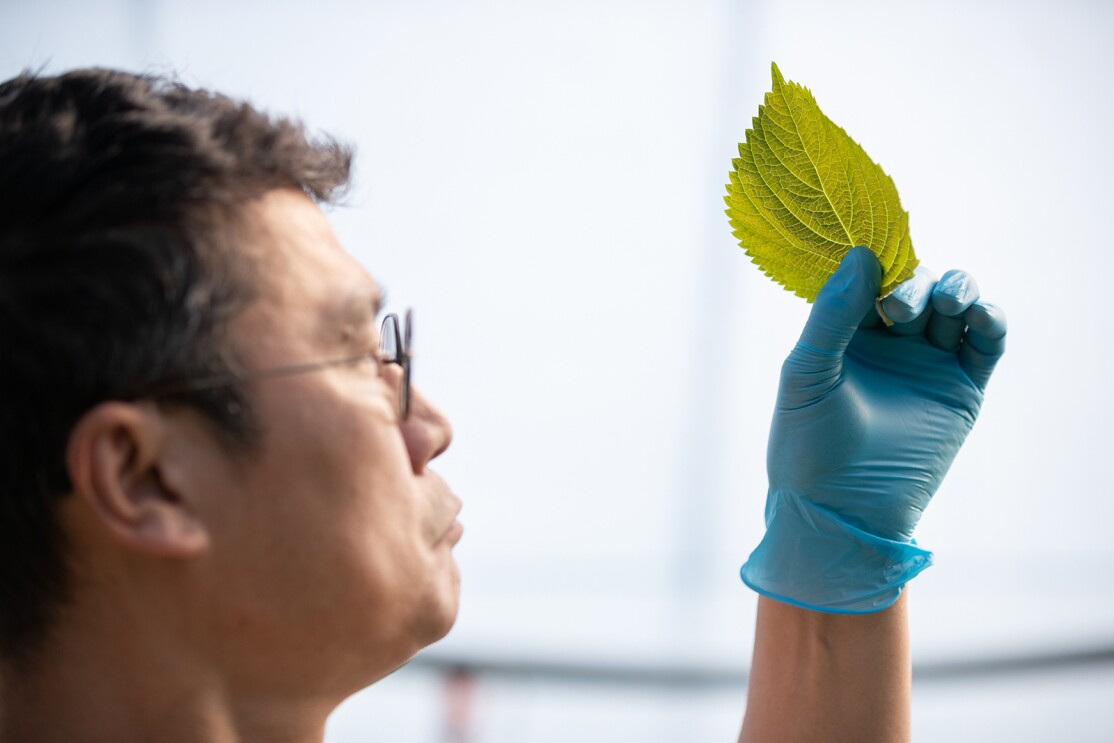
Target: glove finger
{"points": [[984, 343], [911, 298], [842, 303], [871, 320], [916, 326], [953, 294]]}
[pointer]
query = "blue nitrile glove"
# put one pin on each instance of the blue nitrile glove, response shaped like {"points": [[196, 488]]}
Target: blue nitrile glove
{"points": [[867, 423]]}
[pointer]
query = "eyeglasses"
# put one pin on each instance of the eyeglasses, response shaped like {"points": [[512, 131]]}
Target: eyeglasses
{"points": [[394, 348]]}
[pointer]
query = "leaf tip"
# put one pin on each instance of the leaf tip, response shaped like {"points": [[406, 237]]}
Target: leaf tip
{"points": [[776, 74]]}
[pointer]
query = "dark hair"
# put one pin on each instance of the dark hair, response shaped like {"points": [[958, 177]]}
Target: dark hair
{"points": [[117, 275]]}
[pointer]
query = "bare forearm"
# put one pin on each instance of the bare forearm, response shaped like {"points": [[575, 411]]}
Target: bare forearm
{"points": [[830, 677]]}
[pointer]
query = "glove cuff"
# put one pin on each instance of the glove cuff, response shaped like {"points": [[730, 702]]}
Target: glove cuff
{"points": [[811, 558]]}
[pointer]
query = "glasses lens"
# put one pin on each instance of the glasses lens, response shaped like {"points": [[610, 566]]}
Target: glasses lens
{"points": [[404, 401], [408, 331], [388, 339], [394, 350], [407, 361]]}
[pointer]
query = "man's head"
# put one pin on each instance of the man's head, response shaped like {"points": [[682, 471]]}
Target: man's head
{"points": [[151, 234]]}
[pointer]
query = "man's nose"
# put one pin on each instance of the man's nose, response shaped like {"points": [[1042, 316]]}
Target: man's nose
{"points": [[426, 430]]}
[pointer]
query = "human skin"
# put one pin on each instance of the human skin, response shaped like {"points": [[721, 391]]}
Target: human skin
{"points": [[829, 677], [228, 597]]}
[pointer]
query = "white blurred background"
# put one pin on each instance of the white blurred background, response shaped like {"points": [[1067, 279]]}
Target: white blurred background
{"points": [[542, 182]]}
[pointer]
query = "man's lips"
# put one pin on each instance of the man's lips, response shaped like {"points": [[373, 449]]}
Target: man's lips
{"points": [[448, 503], [455, 530], [453, 534]]}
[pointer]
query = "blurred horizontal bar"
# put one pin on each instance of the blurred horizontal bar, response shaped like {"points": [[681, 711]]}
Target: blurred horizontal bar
{"points": [[616, 674], [1036, 663], [681, 675]]}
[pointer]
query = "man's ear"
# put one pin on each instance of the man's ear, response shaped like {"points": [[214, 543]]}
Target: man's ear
{"points": [[113, 460]]}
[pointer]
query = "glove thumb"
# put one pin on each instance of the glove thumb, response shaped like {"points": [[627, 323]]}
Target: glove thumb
{"points": [[843, 302]]}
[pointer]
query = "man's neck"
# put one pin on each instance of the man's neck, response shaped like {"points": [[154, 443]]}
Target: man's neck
{"points": [[86, 686]]}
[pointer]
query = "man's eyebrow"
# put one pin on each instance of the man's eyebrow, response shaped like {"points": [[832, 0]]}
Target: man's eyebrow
{"points": [[378, 299], [359, 306]]}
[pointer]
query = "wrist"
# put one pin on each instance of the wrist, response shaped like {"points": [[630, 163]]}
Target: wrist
{"points": [[811, 557], [829, 677]]}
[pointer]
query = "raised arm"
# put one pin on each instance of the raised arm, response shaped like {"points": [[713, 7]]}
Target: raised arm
{"points": [[868, 420], [819, 676]]}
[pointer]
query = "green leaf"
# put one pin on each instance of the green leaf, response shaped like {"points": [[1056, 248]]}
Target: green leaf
{"points": [[803, 193]]}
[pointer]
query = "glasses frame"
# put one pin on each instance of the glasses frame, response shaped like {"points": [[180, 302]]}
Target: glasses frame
{"points": [[404, 356], [388, 330]]}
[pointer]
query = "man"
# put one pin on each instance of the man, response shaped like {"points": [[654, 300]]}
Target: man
{"points": [[217, 513]]}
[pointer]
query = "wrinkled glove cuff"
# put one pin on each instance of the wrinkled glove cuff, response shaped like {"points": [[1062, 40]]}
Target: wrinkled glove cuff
{"points": [[811, 558]]}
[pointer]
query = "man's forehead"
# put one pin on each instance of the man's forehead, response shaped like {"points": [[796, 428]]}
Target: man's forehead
{"points": [[305, 275], [361, 300], [348, 303]]}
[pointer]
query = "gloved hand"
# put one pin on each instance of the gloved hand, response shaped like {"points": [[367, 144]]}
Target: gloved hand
{"points": [[867, 423]]}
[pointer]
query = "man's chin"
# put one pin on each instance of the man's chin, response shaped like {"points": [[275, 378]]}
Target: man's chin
{"points": [[450, 606], [440, 610]]}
